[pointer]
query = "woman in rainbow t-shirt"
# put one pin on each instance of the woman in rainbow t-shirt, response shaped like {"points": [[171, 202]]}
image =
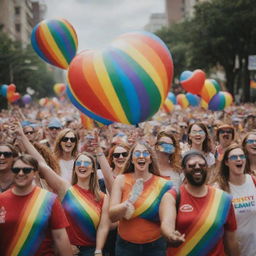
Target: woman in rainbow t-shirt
{"points": [[85, 206], [135, 199]]}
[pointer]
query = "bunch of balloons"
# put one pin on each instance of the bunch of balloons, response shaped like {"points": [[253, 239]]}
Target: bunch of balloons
{"points": [[126, 82], [9, 92]]}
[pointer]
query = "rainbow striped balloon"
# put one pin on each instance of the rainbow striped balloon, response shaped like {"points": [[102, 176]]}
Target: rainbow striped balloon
{"points": [[220, 101], [210, 88], [127, 82], [55, 41], [182, 100]]}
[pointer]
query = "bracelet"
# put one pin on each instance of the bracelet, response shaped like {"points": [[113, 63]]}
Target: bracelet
{"points": [[97, 252], [100, 154]]}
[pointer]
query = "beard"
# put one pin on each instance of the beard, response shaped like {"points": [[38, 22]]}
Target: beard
{"points": [[194, 180]]}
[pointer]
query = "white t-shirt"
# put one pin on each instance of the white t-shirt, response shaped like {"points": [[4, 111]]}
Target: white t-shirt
{"points": [[244, 201], [66, 167], [175, 177]]}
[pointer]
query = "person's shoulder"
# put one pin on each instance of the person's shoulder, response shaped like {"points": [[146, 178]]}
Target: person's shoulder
{"points": [[6, 194]]}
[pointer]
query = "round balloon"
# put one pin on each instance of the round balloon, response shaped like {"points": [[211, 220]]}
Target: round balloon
{"points": [[192, 81], [4, 89], [210, 88], [193, 100], [182, 100], [26, 99], [171, 96], [55, 41], [59, 89], [127, 82], [218, 102], [228, 98]]}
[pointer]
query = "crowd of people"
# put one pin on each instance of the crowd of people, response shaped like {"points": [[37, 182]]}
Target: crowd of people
{"points": [[183, 183]]}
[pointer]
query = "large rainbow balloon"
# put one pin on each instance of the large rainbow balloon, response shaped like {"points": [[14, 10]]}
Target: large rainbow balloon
{"points": [[210, 88], [55, 41], [127, 82]]}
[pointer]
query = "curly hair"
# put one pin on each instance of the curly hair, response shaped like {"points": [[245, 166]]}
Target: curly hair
{"points": [[175, 158]]}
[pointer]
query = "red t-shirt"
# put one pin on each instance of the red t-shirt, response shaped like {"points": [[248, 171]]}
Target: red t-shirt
{"points": [[190, 210], [13, 205]]}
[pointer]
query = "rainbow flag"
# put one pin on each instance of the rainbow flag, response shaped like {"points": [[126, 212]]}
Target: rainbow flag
{"points": [[206, 230], [85, 213], [32, 224], [148, 203]]}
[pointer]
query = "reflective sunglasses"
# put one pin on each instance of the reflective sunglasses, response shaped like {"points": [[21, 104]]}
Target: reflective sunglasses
{"points": [[139, 153], [117, 155], [250, 141], [192, 166], [201, 132], [235, 157], [54, 128], [66, 139], [225, 131], [6, 154], [83, 163], [25, 170], [31, 132]]}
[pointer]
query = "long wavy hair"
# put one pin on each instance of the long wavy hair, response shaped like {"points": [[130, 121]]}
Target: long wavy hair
{"points": [[111, 151], [58, 151], [222, 177], [206, 147], [153, 166], [93, 183], [247, 164], [175, 158]]}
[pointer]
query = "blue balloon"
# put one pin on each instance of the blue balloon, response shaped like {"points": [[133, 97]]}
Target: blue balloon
{"points": [[171, 96], [85, 110], [185, 75], [3, 90], [193, 99]]}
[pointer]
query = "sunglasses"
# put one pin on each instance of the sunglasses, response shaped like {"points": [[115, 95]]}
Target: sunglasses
{"points": [[83, 163], [250, 141], [54, 128], [25, 170], [198, 132], [139, 153], [117, 155], [29, 133], [6, 154], [225, 131], [66, 139], [192, 166], [235, 157]]}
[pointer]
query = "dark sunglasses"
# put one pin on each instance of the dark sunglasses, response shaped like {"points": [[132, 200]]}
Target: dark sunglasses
{"points": [[6, 154], [235, 157], [54, 128], [225, 131], [117, 155], [31, 132], [66, 139], [25, 170], [192, 166]]}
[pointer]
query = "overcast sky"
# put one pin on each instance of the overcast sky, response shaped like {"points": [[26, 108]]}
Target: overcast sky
{"points": [[98, 22]]}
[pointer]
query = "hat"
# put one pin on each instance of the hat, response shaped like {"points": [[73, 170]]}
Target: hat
{"points": [[26, 123], [225, 126], [55, 123], [190, 154]]}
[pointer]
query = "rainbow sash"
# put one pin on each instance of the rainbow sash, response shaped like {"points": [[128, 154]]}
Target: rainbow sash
{"points": [[205, 232], [32, 224], [147, 204], [83, 211]]}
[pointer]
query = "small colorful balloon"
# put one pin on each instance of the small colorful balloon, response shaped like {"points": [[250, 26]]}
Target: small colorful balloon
{"points": [[210, 88], [26, 99], [182, 100]]}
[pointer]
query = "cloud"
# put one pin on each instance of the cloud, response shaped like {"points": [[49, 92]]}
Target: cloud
{"points": [[98, 22]]}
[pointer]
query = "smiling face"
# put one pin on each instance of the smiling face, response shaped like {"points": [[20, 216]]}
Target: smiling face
{"points": [[197, 135], [68, 142], [119, 156], [141, 158], [6, 158], [251, 145], [22, 179], [83, 167], [236, 162], [30, 133], [225, 136]]}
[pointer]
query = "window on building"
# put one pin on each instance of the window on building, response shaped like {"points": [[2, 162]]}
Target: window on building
{"points": [[17, 27], [17, 10]]}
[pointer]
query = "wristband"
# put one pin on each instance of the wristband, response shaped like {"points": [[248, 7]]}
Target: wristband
{"points": [[97, 252], [100, 154]]}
